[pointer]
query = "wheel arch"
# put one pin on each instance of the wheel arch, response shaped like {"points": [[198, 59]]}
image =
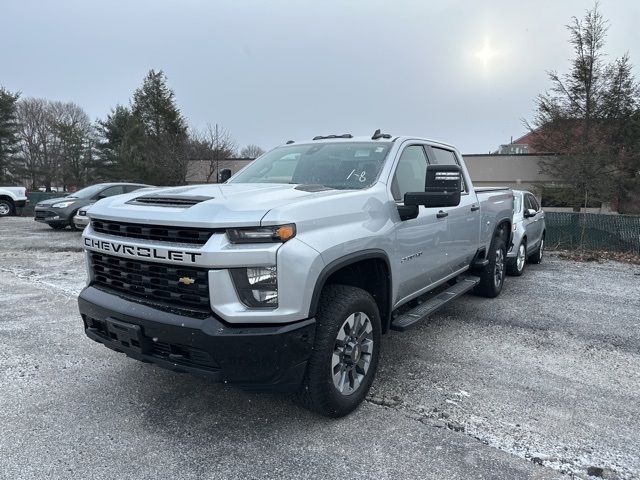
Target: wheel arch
{"points": [[368, 269]]}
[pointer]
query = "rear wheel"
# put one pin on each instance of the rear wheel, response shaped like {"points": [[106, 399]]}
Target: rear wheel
{"points": [[492, 276], [345, 355], [516, 265], [6, 207], [537, 256]]}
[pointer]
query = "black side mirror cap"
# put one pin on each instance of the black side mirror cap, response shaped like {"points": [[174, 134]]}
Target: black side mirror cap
{"points": [[443, 185]]}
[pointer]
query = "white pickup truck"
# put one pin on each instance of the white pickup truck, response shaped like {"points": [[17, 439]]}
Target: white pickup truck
{"points": [[285, 277], [12, 198]]}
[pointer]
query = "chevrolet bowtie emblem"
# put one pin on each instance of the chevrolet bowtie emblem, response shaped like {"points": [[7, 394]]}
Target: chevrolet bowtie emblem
{"points": [[186, 280]]}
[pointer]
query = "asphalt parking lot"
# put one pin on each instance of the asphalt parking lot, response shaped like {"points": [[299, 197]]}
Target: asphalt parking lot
{"points": [[543, 382]]}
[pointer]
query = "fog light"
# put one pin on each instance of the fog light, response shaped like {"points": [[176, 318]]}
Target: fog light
{"points": [[257, 287]]}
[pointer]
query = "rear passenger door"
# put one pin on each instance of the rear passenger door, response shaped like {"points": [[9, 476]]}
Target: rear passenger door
{"points": [[463, 224], [533, 225]]}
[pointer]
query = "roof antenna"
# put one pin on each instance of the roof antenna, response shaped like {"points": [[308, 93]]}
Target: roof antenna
{"points": [[378, 135]]}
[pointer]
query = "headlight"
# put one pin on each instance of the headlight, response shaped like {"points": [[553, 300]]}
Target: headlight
{"points": [[257, 287], [63, 204], [276, 233]]}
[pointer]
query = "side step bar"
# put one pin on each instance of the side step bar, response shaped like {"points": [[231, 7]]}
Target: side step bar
{"points": [[412, 317]]}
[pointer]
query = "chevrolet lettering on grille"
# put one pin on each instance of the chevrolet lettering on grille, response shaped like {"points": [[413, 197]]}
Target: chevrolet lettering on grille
{"points": [[144, 252]]}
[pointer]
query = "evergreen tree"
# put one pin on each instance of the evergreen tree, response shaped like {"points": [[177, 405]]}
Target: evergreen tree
{"points": [[9, 139], [585, 118], [111, 149], [157, 136]]}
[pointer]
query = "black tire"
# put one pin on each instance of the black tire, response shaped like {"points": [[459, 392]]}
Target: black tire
{"points": [[489, 286], [536, 257], [71, 224], [58, 226], [318, 391], [513, 268], [6, 207]]}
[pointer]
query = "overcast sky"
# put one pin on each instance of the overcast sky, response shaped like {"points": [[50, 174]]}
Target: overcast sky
{"points": [[274, 70]]}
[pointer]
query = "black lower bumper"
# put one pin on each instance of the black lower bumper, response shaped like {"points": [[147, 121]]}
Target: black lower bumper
{"points": [[265, 358], [20, 203]]}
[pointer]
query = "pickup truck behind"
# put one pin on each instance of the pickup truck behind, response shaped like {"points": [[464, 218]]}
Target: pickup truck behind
{"points": [[286, 277], [12, 198]]}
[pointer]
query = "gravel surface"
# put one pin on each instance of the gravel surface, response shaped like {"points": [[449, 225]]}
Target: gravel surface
{"points": [[543, 382]]}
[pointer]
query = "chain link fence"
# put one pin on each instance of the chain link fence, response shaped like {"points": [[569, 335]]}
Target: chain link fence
{"points": [[593, 231]]}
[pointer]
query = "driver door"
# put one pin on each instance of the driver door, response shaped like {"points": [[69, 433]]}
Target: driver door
{"points": [[420, 256]]}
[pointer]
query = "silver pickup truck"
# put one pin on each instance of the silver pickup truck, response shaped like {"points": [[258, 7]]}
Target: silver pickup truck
{"points": [[286, 277]]}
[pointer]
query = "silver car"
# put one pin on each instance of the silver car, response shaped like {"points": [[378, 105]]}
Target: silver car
{"points": [[529, 230]]}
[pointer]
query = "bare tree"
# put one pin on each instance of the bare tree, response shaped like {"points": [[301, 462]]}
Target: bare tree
{"points": [[55, 142], [215, 146], [251, 151]]}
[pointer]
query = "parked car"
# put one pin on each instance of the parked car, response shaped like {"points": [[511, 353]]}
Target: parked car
{"points": [[81, 219], [285, 277], [12, 198], [529, 230], [58, 213]]}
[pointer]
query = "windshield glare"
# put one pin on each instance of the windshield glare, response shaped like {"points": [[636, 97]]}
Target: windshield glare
{"points": [[87, 192], [348, 165]]}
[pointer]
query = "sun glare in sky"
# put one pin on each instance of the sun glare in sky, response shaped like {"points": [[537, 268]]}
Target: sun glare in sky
{"points": [[486, 54]]}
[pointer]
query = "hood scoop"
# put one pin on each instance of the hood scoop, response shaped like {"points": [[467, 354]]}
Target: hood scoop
{"points": [[169, 201]]}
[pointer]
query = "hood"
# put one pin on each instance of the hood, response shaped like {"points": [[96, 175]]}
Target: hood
{"points": [[212, 206], [51, 201]]}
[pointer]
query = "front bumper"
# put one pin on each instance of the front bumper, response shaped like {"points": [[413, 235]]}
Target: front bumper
{"points": [[50, 215], [81, 221], [265, 358]]}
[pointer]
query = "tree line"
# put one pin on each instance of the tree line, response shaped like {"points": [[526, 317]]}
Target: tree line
{"points": [[590, 116], [45, 143]]}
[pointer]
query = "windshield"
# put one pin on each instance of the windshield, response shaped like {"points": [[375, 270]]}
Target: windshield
{"points": [[517, 203], [349, 165], [87, 192]]}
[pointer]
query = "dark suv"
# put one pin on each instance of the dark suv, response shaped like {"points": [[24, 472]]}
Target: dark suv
{"points": [[58, 212]]}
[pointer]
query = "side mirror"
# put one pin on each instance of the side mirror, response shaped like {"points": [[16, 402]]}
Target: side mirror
{"points": [[441, 189], [529, 212]]}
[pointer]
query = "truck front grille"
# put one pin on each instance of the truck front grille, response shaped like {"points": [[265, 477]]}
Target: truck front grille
{"points": [[172, 286], [163, 233]]}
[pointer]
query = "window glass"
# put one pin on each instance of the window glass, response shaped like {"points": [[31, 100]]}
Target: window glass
{"points": [[109, 192], [517, 203], [131, 188], [410, 172], [443, 157], [534, 202], [531, 203], [440, 156], [344, 165]]}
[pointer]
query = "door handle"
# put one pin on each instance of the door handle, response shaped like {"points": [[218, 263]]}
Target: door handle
{"points": [[442, 214], [475, 207]]}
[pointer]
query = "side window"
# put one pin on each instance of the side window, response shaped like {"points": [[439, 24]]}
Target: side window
{"points": [[109, 192], [534, 203], [410, 172], [440, 156], [131, 188], [443, 157], [530, 202]]}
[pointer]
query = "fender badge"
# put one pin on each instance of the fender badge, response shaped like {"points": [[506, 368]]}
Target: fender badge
{"points": [[186, 280]]}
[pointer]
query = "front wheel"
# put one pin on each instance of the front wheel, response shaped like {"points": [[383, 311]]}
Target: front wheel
{"points": [[492, 276], [516, 266], [537, 256], [6, 207], [345, 352]]}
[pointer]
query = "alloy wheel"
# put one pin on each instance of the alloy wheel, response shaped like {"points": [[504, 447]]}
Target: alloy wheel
{"points": [[352, 353], [522, 257], [498, 273]]}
